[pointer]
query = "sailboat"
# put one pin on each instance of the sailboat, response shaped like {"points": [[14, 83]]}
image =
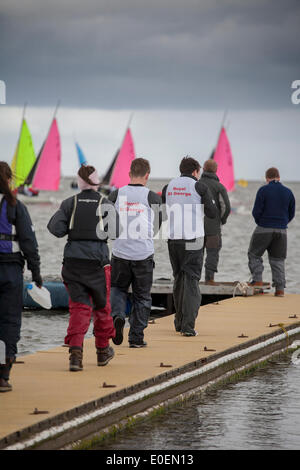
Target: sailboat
{"points": [[24, 156], [117, 174], [82, 161], [223, 156], [45, 174], [81, 158]]}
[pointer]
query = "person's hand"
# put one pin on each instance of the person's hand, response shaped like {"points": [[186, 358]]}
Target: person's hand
{"points": [[37, 278]]}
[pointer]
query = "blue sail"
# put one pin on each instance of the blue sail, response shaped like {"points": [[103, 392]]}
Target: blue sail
{"points": [[81, 157]]}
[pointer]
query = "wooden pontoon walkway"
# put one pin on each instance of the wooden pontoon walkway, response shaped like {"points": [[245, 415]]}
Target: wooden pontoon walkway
{"points": [[46, 395]]}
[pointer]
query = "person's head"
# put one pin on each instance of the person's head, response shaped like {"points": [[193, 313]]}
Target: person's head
{"points": [[210, 165], [272, 174], [87, 178], [190, 166], [5, 179], [139, 170]]}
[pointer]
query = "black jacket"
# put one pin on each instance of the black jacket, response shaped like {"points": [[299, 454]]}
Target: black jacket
{"points": [[219, 193], [88, 249]]}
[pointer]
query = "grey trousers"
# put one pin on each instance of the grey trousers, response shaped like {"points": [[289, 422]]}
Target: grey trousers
{"points": [[274, 241], [186, 266]]}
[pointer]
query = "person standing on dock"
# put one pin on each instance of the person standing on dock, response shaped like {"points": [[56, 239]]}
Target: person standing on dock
{"points": [[132, 253], [88, 219], [17, 244], [273, 209], [184, 197], [212, 227]]}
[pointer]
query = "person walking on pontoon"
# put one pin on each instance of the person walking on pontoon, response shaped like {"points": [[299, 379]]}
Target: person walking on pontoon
{"points": [[133, 253], [88, 219], [273, 210], [17, 244], [184, 197]]}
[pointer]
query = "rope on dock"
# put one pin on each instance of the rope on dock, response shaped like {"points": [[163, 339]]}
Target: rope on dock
{"points": [[242, 286]]}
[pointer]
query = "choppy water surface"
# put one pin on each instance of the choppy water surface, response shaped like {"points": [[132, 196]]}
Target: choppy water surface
{"points": [[262, 412]]}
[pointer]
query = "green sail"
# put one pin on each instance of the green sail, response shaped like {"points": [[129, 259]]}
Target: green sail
{"points": [[24, 157]]}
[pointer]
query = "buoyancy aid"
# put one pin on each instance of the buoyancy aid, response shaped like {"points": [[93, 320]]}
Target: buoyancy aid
{"points": [[8, 236], [184, 210], [86, 221], [136, 219]]}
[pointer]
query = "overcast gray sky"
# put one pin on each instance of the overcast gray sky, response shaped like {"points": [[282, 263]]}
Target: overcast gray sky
{"points": [[170, 61]]}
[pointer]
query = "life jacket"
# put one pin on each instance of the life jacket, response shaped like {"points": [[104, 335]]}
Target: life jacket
{"points": [[8, 237], [184, 210], [135, 241], [86, 222]]}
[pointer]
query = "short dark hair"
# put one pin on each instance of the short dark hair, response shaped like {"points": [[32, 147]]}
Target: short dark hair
{"points": [[139, 167], [188, 165], [272, 173], [210, 165]]}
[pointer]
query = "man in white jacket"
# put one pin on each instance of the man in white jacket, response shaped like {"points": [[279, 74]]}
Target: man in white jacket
{"points": [[185, 198], [132, 253]]}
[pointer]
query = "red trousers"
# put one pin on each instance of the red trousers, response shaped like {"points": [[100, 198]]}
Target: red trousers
{"points": [[80, 317]]}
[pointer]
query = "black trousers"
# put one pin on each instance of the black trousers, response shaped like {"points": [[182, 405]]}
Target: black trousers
{"points": [[11, 306], [85, 280], [138, 274], [212, 246], [186, 265]]}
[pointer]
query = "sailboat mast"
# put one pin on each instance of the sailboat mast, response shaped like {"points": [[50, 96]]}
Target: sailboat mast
{"points": [[15, 157], [221, 127], [56, 109], [223, 122], [24, 111]]}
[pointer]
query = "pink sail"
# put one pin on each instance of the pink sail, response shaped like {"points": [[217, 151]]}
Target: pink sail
{"points": [[47, 174], [120, 174], [224, 159]]}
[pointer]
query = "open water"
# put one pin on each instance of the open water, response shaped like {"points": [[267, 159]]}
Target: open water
{"points": [[268, 411]]}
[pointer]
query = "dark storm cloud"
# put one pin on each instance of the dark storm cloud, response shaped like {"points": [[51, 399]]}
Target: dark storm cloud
{"points": [[142, 54]]}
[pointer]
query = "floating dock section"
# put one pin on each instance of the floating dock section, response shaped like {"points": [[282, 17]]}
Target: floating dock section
{"points": [[51, 407], [161, 293]]}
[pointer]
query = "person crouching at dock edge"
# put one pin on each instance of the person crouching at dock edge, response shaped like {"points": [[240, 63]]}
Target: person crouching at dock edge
{"points": [[88, 219], [184, 197], [273, 209], [132, 253], [17, 242]]}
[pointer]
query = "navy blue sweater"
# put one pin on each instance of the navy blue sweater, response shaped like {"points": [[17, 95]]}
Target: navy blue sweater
{"points": [[274, 205]]}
